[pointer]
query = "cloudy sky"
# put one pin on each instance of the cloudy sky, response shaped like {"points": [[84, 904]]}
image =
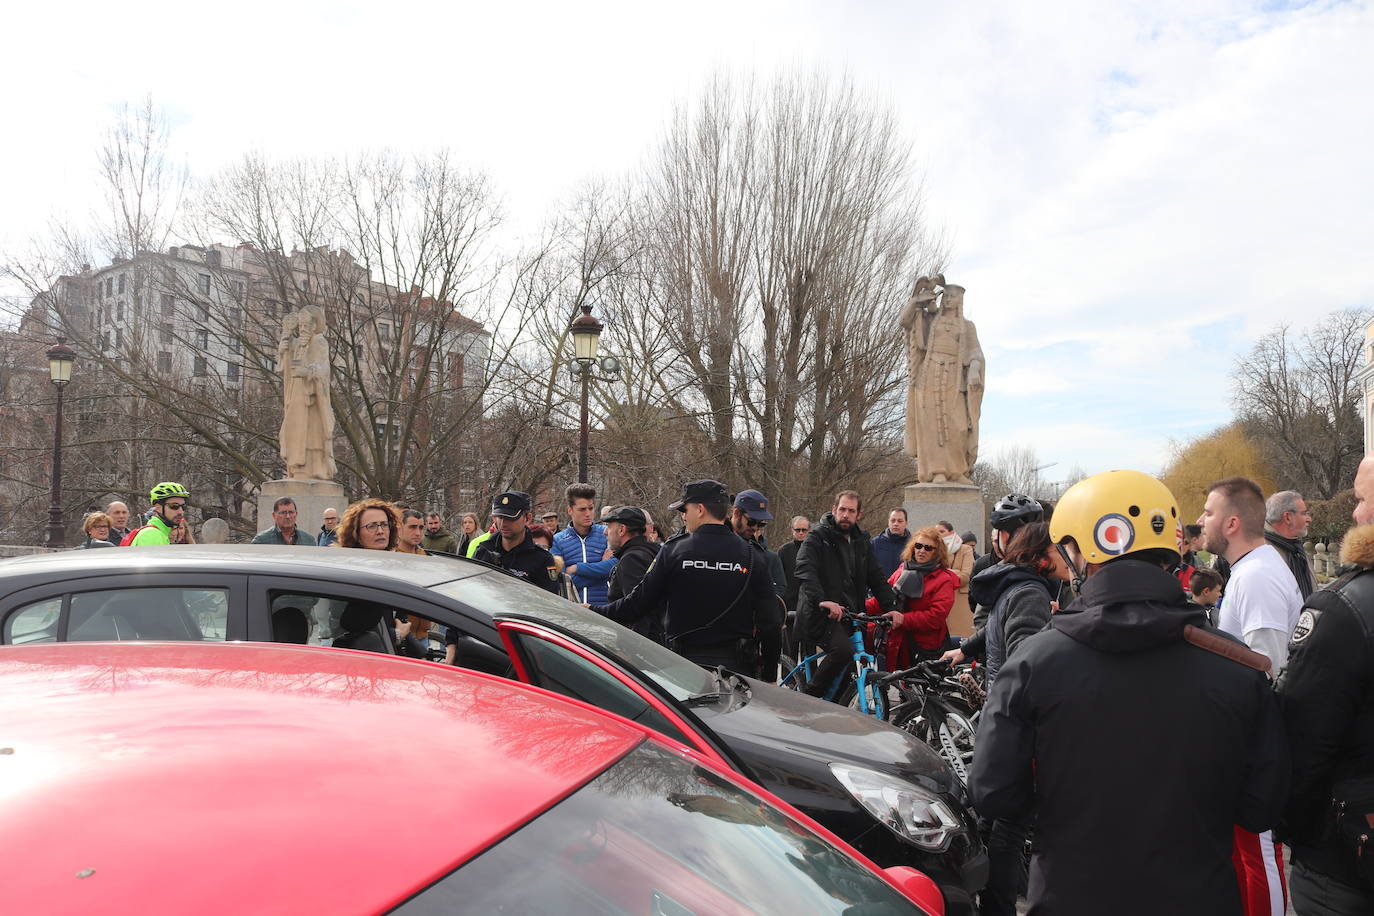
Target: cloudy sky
{"points": [[1133, 191]]}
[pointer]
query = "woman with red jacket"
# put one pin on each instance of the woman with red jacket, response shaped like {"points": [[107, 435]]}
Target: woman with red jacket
{"points": [[925, 587]]}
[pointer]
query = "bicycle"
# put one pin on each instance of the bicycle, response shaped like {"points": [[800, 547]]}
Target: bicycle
{"points": [[858, 689], [934, 708]]}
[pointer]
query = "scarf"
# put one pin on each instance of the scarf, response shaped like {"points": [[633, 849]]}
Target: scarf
{"points": [[912, 582]]}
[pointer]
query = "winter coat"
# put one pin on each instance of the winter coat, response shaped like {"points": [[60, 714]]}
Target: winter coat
{"points": [[273, 535], [634, 558], [93, 542], [924, 619], [888, 548], [1138, 752], [1296, 558], [526, 560], [593, 573], [1020, 602], [441, 540], [839, 568], [327, 536], [1327, 696], [787, 555], [961, 616]]}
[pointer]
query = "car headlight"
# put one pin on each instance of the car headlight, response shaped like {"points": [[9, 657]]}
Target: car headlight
{"points": [[908, 810]]}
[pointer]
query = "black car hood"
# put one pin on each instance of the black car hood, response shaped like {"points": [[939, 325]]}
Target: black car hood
{"points": [[783, 724]]}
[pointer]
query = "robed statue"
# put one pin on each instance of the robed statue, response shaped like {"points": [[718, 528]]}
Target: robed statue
{"points": [[945, 383], [307, 421]]}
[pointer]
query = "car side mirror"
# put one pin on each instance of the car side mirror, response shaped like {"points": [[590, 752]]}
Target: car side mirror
{"points": [[918, 887]]}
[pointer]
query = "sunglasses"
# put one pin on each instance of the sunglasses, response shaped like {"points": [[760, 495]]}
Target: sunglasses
{"points": [[175, 505], [923, 547], [754, 524], [801, 530]]}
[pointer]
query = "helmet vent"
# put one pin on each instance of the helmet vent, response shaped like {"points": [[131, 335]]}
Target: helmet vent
{"points": [[1135, 511]]}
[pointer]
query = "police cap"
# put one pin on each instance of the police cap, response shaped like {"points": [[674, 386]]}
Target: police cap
{"points": [[510, 504], [753, 504], [702, 491]]}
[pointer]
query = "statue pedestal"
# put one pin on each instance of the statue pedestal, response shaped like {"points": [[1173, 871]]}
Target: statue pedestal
{"points": [[959, 504], [312, 498]]}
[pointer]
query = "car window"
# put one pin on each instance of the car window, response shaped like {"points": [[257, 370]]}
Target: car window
{"points": [[180, 614], [497, 595], [555, 668], [33, 623], [658, 834]]}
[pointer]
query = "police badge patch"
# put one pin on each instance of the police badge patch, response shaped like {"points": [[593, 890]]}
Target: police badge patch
{"points": [[1306, 624]]}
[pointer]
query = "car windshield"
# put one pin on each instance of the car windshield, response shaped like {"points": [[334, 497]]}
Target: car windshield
{"points": [[657, 834], [499, 595]]}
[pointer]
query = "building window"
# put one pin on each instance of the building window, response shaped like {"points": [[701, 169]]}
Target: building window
{"points": [[123, 282], [164, 362], [231, 372], [107, 340], [384, 332], [119, 338], [109, 286], [202, 340], [238, 290], [199, 370], [119, 311], [168, 305], [204, 309], [271, 307], [204, 282], [164, 334], [235, 345]]}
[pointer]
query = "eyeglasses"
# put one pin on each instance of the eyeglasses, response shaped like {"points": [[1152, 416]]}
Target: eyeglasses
{"points": [[801, 530], [375, 526], [923, 547], [286, 512], [175, 505]]}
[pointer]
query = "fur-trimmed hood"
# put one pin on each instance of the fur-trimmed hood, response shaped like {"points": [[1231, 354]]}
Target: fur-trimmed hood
{"points": [[1358, 546]]}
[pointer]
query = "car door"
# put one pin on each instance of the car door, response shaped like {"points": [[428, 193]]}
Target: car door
{"points": [[552, 660], [180, 607]]}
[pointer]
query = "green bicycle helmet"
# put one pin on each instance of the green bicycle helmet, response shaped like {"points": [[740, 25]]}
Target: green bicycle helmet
{"points": [[166, 491]]}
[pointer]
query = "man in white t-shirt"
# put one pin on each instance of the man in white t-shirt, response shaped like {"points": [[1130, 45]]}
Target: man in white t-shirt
{"points": [[1261, 607]]}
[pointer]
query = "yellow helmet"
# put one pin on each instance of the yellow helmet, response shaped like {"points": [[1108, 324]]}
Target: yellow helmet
{"points": [[1115, 513]]}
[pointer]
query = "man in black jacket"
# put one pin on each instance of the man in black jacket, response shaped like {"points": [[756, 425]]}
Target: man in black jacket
{"points": [[625, 528], [787, 556], [718, 597], [1327, 695], [1138, 735], [512, 549], [837, 570]]}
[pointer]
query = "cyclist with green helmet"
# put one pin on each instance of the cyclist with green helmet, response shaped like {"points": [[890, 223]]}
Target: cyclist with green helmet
{"points": [[169, 506]]}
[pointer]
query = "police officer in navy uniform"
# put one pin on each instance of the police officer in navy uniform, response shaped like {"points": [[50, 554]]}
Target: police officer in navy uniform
{"points": [[718, 594], [512, 549]]}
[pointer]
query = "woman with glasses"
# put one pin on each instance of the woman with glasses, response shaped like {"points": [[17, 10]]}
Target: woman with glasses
{"points": [[925, 587], [97, 526], [370, 524]]}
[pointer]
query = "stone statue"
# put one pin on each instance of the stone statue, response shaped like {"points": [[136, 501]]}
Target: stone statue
{"points": [[945, 386], [307, 421]]}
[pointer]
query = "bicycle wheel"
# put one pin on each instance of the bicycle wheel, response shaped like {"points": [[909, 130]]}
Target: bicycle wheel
{"points": [[877, 706], [794, 676], [951, 732]]}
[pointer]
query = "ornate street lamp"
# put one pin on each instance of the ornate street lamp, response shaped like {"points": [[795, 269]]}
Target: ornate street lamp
{"points": [[60, 360], [586, 333]]}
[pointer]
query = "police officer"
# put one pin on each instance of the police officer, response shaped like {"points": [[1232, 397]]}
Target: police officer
{"points": [[748, 517], [718, 595], [512, 549]]}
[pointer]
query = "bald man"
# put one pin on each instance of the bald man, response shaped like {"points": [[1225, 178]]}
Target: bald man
{"points": [[119, 519]]}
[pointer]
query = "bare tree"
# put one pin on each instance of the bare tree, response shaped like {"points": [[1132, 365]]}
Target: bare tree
{"points": [[1298, 398]]}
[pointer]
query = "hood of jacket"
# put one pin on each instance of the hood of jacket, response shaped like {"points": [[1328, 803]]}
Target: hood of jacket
{"points": [[986, 587], [830, 530], [1358, 546], [1129, 606]]}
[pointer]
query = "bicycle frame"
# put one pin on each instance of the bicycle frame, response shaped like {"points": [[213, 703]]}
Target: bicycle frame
{"points": [[865, 673]]}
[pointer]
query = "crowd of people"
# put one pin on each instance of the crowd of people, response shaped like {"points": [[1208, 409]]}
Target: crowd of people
{"points": [[1167, 703]]}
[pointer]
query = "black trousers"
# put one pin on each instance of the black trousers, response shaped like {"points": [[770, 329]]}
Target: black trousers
{"points": [[1315, 894], [841, 656], [1006, 845]]}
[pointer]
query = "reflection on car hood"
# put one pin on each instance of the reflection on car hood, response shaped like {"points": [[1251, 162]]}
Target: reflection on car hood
{"points": [[789, 721]]}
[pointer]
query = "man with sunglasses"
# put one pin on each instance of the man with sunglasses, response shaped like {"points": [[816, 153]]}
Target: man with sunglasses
{"points": [[748, 517], [169, 508]]}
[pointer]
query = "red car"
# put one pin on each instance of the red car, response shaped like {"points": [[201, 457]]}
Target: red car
{"points": [[229, 778]]}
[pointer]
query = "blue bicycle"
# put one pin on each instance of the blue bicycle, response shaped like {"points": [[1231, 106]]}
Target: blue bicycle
{"points": [[859, 688]]}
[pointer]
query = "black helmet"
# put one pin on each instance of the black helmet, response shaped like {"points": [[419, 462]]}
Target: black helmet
{"points": [[1014, 510]]}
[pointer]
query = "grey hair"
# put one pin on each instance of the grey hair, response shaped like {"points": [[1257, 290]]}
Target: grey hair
{"points": [[1281, 503], [800, 518]]}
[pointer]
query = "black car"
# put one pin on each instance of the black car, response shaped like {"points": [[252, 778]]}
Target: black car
{"points": [[876, 786]]}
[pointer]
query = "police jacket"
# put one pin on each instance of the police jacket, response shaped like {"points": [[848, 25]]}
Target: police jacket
{"points": [[839, 568], [1327, 695], [714, 588], [634, 558], [1137, 750], [526, 560]]}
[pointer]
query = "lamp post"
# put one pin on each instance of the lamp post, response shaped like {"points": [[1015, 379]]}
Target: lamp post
{"points": [[60, 360], [586, 333]]}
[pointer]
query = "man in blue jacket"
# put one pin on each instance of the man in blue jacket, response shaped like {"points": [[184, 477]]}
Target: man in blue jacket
{"points": [[587, 557], [888, 546]]}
